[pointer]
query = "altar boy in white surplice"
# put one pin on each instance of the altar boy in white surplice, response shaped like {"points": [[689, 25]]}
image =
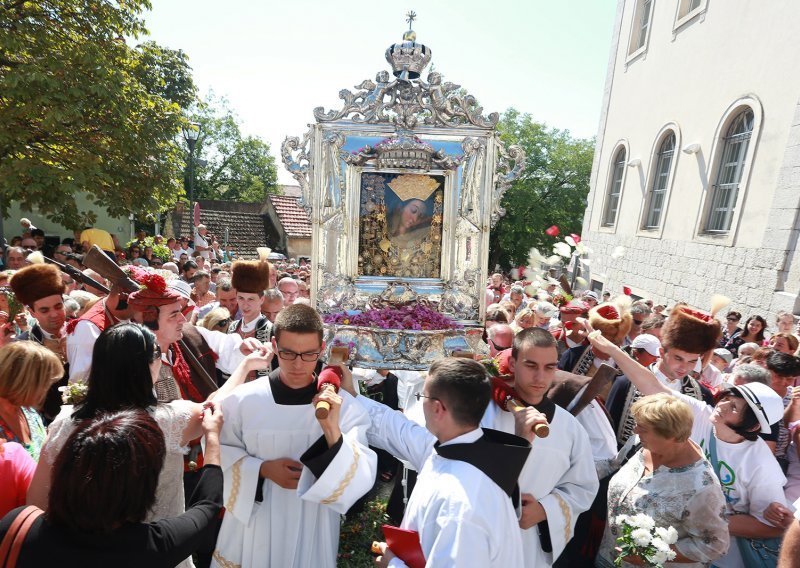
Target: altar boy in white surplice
{"points": [[288, 475], [463, 503], [559, 480]]}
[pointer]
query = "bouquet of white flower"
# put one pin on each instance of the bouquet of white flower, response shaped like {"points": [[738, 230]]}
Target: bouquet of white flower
{"points": [[641, 537]]}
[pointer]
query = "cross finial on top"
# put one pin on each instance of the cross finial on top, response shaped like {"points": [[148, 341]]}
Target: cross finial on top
{"points": [[410, 17]]}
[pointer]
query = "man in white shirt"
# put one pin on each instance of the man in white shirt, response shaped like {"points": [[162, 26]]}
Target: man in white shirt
{"points": [[462, 504], [201, 242]]}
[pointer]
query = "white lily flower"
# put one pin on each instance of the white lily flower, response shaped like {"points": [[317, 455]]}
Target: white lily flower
{"points": [[562, 249], [555, 259], [535, 257], [570, 241]]}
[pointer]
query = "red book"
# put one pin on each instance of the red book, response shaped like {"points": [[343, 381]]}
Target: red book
{"points": [[405, 545]]}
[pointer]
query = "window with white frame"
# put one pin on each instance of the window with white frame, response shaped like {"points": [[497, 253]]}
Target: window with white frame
{"points": [[732, 154], [661, 177], [688, 6], [614, 189], [640, 27]]}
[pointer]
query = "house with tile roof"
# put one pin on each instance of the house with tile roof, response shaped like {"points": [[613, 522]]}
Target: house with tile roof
{"points": [[278, 223]]}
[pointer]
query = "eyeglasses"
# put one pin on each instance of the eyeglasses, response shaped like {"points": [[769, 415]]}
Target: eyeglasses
{"points": [[287, 355], [224, 323], [419, 395], [732, 319], [638, 322], [499, 347]]}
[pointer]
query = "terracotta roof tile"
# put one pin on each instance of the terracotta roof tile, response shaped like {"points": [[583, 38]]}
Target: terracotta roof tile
{"points": [[295, 220], [246, 231]]}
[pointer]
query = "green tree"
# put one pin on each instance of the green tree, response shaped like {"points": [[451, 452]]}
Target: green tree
{"points": [[552, 189], [165, 72], [230, 166], [81, 111]]}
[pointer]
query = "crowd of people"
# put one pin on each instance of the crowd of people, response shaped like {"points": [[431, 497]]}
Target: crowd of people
{"points": [[179, 417]]}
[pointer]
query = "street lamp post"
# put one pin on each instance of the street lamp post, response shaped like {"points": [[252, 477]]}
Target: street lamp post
{"points": [[191, 133]]}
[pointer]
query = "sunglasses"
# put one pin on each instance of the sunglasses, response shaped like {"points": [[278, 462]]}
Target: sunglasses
{"points": [[638, 322], [499, 347], [224, 323]]}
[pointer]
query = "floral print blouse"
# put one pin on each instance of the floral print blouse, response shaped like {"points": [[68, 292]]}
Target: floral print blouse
{"points": [[37, 432], [687, 498]]}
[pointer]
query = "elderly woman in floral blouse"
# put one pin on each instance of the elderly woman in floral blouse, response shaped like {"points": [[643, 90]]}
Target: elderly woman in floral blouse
{"points": [[670, 480]]}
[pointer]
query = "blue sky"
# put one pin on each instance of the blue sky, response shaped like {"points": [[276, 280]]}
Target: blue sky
{"points": [[277, 61]]}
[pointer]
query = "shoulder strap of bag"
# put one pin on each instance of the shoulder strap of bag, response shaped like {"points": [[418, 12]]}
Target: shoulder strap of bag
{"points": [[12, 542]]}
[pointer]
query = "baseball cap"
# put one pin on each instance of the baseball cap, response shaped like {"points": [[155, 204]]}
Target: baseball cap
{"points": [[591, 294], [766, 404], [724, 354], [181, 287], [649, 343]]}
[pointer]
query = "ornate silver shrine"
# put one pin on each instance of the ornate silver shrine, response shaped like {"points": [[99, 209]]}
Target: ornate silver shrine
{"points": [[403, 184]]}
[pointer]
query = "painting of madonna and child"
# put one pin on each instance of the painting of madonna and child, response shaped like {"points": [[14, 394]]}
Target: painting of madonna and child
{"points": [[400, 228]]}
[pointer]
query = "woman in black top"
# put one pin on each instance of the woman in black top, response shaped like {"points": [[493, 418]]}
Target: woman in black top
{"points": [[753, 332], [104, 482]]}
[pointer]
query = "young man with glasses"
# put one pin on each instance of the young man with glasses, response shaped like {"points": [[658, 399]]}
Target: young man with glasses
{"points": [[289, 475]]}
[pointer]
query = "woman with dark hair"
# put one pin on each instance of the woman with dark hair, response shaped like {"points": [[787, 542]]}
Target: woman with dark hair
{"points": [[125, 364], [753, 332], [731, 328], [148, 255], [751, 479], [105, 483]]}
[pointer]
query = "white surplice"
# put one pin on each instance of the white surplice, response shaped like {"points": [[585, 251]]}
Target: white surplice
{"points": [[289, 528], [559, 473], [463, 517]]}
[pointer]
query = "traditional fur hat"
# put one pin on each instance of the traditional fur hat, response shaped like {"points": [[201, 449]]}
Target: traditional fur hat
{"points": [[613, 319], [250, 276], [35, 282], [690, 330]]}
